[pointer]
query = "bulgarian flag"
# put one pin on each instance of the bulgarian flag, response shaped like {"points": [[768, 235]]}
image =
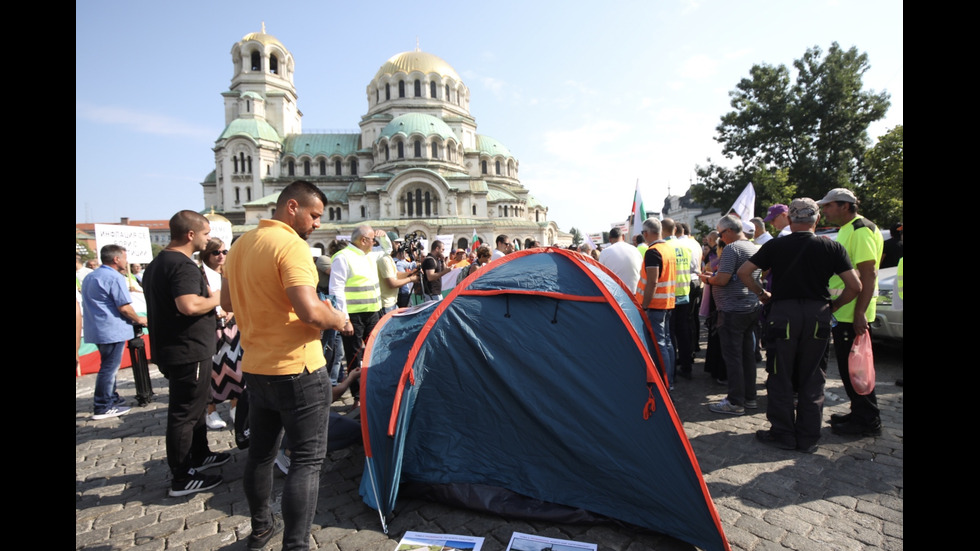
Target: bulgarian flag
{"points": [[475, 241], [639, 214]]}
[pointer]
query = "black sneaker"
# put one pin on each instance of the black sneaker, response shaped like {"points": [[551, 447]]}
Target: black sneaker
{"points": [[773, 441], [258, 541], [849, 428], [213, 460], [197, 482], [837, 418]]}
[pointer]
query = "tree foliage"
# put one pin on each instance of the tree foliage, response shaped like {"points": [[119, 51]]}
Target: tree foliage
{"points": [[795, 138], [881, 192]]}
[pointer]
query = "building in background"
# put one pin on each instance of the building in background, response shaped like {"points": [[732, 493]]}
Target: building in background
{"points": [[417, 164]]}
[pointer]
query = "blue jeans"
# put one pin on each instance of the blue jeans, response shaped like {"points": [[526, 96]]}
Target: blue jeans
{"points": [[105, 382], [736, 331], [660, 320], [300, 404]]}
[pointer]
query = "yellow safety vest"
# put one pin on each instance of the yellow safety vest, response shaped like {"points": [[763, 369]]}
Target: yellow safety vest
{"points": [[683, 286], [361, 291]]}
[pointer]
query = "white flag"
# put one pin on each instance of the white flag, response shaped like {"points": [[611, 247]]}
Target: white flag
{"points": [[744, 207]]}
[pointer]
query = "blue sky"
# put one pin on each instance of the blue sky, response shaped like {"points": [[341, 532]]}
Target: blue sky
{"points": [[591, 97]]}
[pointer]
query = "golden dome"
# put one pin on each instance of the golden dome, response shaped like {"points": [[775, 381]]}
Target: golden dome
{"points": [[424, 62], [266, 39]]}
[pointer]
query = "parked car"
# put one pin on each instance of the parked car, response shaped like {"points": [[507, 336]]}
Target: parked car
{"points": [[888, 319]]}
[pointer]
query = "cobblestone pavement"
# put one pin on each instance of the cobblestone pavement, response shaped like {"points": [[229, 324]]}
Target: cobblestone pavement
{"points": [[847, 495]]}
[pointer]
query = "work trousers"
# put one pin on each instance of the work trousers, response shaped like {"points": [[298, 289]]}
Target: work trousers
{"points": [[797, 332]]}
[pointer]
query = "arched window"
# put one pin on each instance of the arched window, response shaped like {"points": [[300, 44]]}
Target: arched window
{"points": [[387, 153], [353, 166], [256, 61], [432, 89], [331, 212], [401, 150], [483, 166], [498, 167], [235, 160], [323, 167], [428, 204], [387, 91], [274, 64], [418, 202], [377, 95], [248, 106], [474, 210], [411, 205], [292, 168], [306, 168], [418, 148], [248, 194], [363, 212], [506, 214], [242, 161], [447, 93], [336, 167], [238, 193], [435, 150], [537, 214], [401, 88], [249, 164], [418, 88]]}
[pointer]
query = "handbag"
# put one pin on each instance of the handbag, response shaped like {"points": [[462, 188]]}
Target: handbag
{"points": [[861, 364]]}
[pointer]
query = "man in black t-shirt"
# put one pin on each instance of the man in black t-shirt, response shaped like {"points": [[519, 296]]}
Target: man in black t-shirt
{"points": [[798, 325], [434, 267], [180, 311]]}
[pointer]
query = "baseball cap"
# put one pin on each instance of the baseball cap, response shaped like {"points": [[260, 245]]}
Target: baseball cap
{"points": [[803, 208], [775, 211], [838, 194]]}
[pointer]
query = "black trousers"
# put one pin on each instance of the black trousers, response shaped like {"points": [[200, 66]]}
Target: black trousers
{"points": [[864, 409], [187, 433], [363, 324]]}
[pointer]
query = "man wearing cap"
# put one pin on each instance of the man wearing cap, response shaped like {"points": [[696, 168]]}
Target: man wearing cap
{"points": [[622, 259], [798, 324], [778, 218], [863, 242]]}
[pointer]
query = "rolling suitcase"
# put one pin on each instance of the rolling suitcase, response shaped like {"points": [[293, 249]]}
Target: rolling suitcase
{"points": [[140, 367]]}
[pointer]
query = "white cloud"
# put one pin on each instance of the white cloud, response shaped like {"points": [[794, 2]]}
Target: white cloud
{"points": [[138, 121]]}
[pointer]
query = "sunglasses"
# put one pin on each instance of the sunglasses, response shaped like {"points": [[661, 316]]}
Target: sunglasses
{"points": [[216, 253]]}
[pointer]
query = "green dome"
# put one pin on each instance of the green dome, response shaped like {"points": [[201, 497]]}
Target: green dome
{"points": [[254, 128], [490, 146], [417, 123]]}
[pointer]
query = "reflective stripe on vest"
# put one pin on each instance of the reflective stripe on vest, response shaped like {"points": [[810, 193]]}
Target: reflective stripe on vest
{"points": [[361, 291], [663, 293]]}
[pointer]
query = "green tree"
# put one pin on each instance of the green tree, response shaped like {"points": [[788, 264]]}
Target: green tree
{"points": [[795, 138], [576, 236], [881, 193]]}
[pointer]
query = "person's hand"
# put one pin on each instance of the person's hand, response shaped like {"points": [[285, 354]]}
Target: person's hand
{"points": [[348, 329], [354, 373], [860, 323]]}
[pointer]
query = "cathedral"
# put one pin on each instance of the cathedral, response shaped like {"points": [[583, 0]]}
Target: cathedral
{"points": [[417, 166]]}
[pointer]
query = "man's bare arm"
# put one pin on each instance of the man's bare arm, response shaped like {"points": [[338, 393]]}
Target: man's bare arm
{"points": [[867, 274], [313, 311], [129, 313], [196, 305]]}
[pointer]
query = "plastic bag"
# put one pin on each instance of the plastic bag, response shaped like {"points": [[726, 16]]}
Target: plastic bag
{"points": [[861, 364]]}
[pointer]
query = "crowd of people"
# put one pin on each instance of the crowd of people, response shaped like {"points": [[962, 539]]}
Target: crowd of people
{"points": [[304, 323]]}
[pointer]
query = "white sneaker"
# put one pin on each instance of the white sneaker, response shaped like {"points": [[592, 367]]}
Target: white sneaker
{"points": [[231, 413], [282, 461], [214, 421]]}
